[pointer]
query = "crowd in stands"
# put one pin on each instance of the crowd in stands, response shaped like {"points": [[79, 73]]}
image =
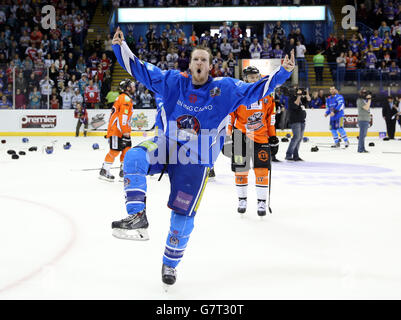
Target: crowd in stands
{"points": [[373, 52], [55, 68]]}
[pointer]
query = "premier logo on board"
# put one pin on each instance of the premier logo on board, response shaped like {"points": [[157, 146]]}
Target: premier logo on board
{"points": [[36, 121]]}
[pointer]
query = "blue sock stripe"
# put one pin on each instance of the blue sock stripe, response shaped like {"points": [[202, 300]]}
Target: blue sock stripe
{"points": [[138, 195], [173, 254]]}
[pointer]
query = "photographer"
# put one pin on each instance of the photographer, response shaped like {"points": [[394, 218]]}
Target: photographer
{"points": [[363, 104], [297, 114]]}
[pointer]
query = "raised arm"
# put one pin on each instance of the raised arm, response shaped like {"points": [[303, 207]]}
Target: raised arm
{"points": [[245, 93], [148, 74]]}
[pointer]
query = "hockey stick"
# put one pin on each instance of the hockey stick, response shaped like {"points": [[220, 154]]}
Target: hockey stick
{"points": [[93, 169], [394, 152]]}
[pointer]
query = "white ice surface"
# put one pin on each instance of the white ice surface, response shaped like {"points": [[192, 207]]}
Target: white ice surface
{"points": [[335, 231]]}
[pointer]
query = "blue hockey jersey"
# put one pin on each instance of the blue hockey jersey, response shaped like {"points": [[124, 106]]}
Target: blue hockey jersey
{"points": [[335, 104], [195, 117]]}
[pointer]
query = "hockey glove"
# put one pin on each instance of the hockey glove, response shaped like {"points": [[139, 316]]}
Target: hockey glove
{"points": [[125, 143], [273, 143]]}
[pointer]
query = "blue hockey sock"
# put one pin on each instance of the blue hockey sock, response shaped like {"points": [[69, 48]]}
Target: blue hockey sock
{"points": [[343, 134], [136, 167], [181, 227], [335, 135]]}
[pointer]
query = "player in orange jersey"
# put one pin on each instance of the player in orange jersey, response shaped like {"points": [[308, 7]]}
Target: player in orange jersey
{"points": [[253, 137], [119, 129]]}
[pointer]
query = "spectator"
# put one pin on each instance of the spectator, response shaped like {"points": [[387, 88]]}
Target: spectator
{"points": [[394, 73], [81, 114], [225, 48], [21, 83], [54, 102], [34, 99], [83, 83], [389, 113], [266, 50], [81, 65], [297, 116], [225, 31], [277, 53], [111, 96], [255, 49], [383, 29], [363, 104], [244, 53], [79, 30], [108, 49], [331, 55], [316, 102], [351, 67], [98, 44], [236, 31], [331, 39], [216, 71], [20, 99], [146, 100], [290, 45], [66, 95], [92, 95], [376, 43], [341, 63], [183, 62], [342, 44], [60, 62], [162, 64], [278, 30], [53, 73], [384, 71], [76, 98], [5, 104], [172, 57], [46, 86], [193, 39]]}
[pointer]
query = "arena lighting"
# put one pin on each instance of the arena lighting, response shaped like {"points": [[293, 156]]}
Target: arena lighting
{"points": [[214, 14]]}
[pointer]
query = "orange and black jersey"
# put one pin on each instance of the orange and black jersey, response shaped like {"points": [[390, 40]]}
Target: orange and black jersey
{"points": [[256, 121], [120, 117]]}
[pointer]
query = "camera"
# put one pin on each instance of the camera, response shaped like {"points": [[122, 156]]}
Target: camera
{"points": [[365, 93], [303, 92]]}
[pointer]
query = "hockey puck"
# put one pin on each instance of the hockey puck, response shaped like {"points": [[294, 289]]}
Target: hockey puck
{"points": [[3, 141], [371, 144], [314, 149], [15, 156], [25, 140], [284, 139], [288, 135], [95, 146], [11, 152], [386, 139], [22, 153], [33, 149], [306, 139]]}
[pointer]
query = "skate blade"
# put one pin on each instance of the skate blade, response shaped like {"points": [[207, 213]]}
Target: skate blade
{"points": [[137, 234], [166, 287], [105, 179]]}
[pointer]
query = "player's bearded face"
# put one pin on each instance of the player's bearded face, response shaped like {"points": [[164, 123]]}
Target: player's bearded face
{"points": [[200, 66]]}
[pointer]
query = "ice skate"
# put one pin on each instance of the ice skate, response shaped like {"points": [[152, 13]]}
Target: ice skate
{"points": [[134, 227], [212, 174], [104, 175], [169, 276], [242, 205], [261, 208], [336, 145]]}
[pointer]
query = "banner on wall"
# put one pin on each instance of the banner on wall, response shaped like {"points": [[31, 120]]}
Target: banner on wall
{"points": [[38, 121]]}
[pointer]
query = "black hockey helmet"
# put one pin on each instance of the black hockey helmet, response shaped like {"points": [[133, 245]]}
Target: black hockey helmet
{"points": [[250, 70], [124, 84]]}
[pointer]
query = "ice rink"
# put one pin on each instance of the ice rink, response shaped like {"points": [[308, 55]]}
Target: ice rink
{"points": [[335, 231]]}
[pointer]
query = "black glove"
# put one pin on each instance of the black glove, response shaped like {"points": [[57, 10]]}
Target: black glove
{"points": [[126, 142], [273, 143]]}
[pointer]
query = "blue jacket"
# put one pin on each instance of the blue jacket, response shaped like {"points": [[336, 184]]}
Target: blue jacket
{"points": [[190, 114]]}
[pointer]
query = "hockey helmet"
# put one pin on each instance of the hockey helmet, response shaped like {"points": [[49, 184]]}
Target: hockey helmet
{"points": [[124, 84], [250, 70]]}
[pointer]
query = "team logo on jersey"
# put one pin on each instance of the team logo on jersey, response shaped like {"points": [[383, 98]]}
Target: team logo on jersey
{"points": [[263, 155], [193, 98], [255, 106], [216, 91], [126, 182], [188, 127], [254, 122], [174, 241]]}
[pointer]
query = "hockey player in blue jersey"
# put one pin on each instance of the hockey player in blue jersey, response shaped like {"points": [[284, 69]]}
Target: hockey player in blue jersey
{"points": [[335, 105], [191, 121]]}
